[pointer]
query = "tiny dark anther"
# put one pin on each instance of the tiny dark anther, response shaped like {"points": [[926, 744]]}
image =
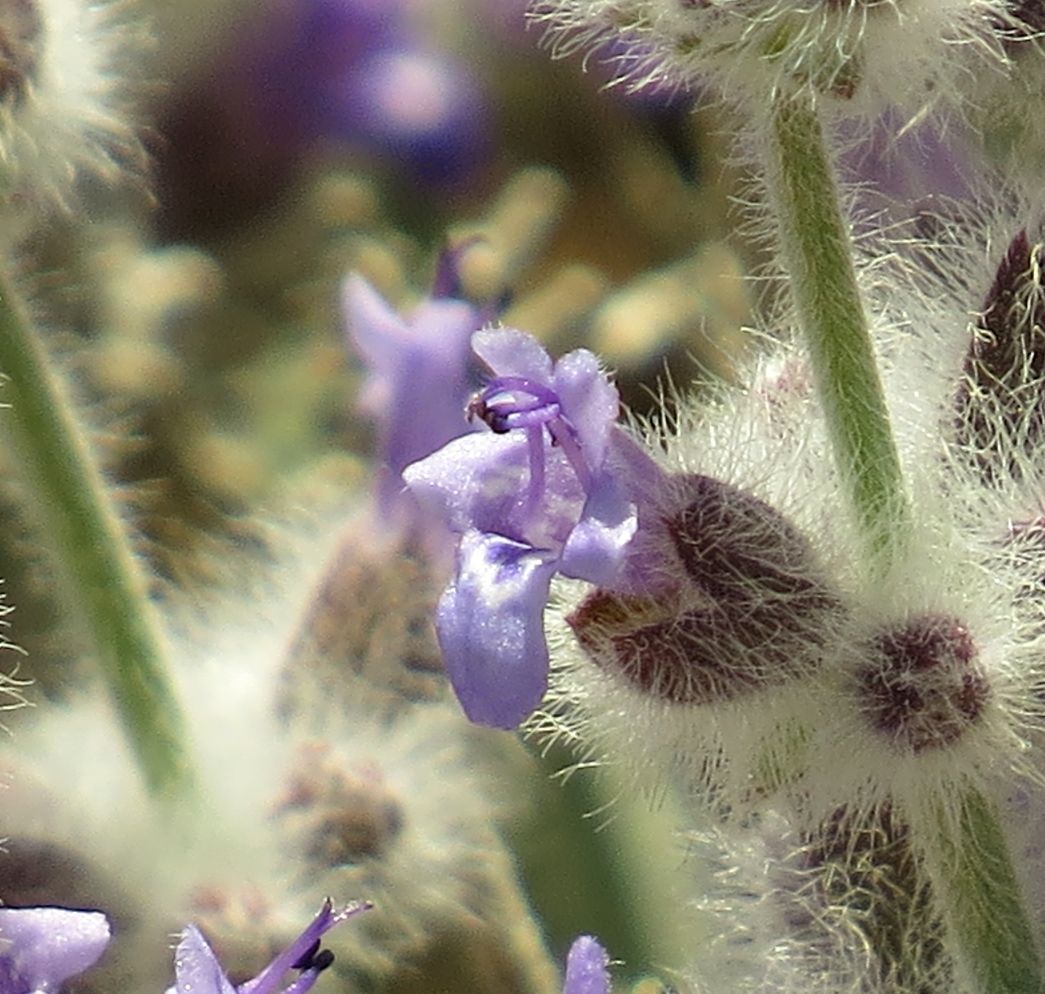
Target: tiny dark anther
{"points": [[752, 613], [923, 686], [1005, 364], [322, 961], [478, 409]]}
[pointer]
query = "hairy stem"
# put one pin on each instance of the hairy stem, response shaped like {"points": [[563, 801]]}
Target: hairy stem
{"points": [[980, 896], [102, 578], [818, 258], [986, 924]]}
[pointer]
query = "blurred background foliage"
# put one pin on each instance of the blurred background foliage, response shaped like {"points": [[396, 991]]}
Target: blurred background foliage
{"points": [[293, 141]]}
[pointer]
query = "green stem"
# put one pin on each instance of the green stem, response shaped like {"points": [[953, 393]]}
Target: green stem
{"points": [[102, 576], [818, 259], [979, 893]]}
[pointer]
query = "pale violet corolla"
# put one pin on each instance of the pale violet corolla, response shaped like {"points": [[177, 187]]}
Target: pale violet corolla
{"points": [[586, 971], [419, 372], [536, 494]]}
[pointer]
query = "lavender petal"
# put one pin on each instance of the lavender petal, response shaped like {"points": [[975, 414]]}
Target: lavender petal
{"points": [[40, 948], [586, 971], [490, 623]]}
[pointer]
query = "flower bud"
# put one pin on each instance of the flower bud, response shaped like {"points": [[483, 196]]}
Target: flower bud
{"points": [[338, 814], [922, 686], [1001, 408], [751, 609]]}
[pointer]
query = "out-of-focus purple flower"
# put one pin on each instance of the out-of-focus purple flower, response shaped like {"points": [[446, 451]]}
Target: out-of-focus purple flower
{"points": [[506, 19], [537, 495], [419, 374], [586, 971], [422, 110], [197, 970], [899, 165], [41, 948], [339, 30]]}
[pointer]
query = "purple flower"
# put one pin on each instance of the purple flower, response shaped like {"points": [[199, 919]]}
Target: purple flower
{"points": [[540, 493], [197, 970], [423, 110], [586, 971], [40, 948], [418, 373]]}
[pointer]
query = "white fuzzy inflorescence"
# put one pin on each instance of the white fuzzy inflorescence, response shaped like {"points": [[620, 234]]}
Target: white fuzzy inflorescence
{"points": [[332, 790], [63, 102], [863, 709], [859, 55]]}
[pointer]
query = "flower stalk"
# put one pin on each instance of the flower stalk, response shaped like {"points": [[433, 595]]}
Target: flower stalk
{"points": [[101, 575], [980, 894], [818, 259]]}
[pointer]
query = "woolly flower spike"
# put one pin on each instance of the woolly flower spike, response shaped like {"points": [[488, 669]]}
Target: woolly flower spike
{"points": [[197, 970], [586, 968], [404, 358], [41, 948], [753, 49], [534, 496], [61, 101]]}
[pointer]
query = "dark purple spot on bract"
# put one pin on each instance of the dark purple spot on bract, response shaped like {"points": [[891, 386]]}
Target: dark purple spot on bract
{"points": [[751, 611], [923, 686]]}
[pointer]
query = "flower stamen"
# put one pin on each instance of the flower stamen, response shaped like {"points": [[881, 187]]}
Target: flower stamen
{"points": [[512, 402]]}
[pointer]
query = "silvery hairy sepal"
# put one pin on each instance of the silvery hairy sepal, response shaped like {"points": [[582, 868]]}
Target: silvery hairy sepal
{"points": [[742, 632]]}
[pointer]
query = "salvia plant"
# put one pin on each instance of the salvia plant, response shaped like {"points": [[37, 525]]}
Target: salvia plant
{"points": [[799, 606]]}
